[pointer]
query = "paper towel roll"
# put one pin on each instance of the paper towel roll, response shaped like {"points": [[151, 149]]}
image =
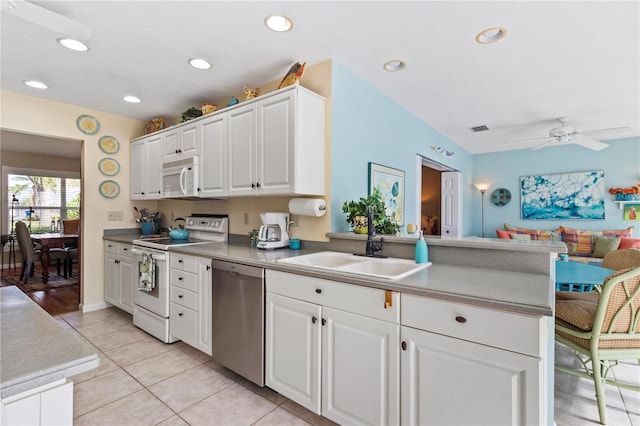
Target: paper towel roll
{"points": [[307, 206]]}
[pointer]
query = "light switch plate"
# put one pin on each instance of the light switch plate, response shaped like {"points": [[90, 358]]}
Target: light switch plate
{"points": [[114, 216]]}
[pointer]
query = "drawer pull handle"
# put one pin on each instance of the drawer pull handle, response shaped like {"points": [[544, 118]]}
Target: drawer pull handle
{"points": [[461, 320], [314, 319], [318, 290], [404, 346], [179, 296], [180, 278], [388, 299]]}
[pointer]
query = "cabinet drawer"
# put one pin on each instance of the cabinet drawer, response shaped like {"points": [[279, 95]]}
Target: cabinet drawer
{"points": [[348, 297], [506, 330], [183, 279], [124, 250], [184, 262], [182, 323], [184, 297], [111, 247]]}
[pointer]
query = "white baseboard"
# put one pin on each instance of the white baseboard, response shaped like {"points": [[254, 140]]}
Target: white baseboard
{"points": [[93, 307]]}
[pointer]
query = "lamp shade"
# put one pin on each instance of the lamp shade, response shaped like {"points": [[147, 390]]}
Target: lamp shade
{"points": [[481, 186]]}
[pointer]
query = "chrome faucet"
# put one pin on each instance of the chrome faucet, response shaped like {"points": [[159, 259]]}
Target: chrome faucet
{"points": [[371, 232]]}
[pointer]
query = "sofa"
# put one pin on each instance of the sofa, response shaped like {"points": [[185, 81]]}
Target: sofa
{"points": [[582, 245]]}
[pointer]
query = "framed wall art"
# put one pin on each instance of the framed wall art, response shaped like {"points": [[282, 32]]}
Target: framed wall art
{"points": [[390, 183], [578, 195], [632, 212]]}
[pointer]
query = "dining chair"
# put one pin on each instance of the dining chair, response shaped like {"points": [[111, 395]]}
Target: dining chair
{"points": [[30, 255], [621, 259], [602, 331], [71, 226]]}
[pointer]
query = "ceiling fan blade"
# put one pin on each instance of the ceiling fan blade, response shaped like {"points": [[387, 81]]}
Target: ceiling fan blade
{"points": [[48, 19], [542, 145], [606, 132], [590, 143], [527, 140]]}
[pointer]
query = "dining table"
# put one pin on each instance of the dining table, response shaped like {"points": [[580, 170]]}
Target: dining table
{"points": [[45, 240], [579, 276]]}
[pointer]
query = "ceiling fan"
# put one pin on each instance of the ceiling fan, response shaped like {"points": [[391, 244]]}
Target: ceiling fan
{"points": [[46, 18], [566, 134]]}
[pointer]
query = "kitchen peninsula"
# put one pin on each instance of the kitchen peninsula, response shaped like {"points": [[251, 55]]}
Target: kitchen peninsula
{"points": [[38, 356], [478, 319]]}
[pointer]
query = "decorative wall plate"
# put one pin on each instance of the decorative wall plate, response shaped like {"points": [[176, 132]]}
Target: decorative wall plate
{"points": [[88, 124], [109, 144], [501, 197], [109, 166], [109, 189]]}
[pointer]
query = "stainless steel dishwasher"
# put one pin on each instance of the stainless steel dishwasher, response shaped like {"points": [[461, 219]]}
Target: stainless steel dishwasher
{"points": [[238, 319]]}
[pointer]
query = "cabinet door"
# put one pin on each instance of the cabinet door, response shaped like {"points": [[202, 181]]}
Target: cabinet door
{"points": [[242, 145], [292, 350], [360, 369], [138, 171], [275, 144], [189, 141], [447, 381], [204, 274], [213, 162], [171, 144], [127, 279], [153, 167], [111, 278]]}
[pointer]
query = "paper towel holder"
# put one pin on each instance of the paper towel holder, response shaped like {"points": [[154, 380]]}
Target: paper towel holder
{"points": [[307, 206]]}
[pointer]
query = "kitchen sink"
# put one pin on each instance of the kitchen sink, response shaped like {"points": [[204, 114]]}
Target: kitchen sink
{"points": [[388, 268]]}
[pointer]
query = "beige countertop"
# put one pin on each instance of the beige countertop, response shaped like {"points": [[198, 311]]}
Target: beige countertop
{"points": [[516, 291], [35, 349]]}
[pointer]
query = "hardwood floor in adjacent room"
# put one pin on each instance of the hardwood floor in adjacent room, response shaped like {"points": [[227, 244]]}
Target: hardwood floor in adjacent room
{"points": [[56, 301]]}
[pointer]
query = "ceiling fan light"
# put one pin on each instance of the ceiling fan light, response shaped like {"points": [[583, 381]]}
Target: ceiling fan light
{"points": [[200, 64], [278, 23], [491, 35], [36, 84], [72, 44]]}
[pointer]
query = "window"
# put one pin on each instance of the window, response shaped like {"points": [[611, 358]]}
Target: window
{"points": [[40, 198]]}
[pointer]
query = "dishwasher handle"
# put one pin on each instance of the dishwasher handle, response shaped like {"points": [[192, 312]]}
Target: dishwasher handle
{"points": [[238, 269]]}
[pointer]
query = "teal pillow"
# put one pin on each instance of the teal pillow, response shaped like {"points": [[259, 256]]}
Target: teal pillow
{"points": [[605, 245]]}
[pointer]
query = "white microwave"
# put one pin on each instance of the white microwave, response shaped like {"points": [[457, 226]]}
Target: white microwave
{"points": [[180, 178]]}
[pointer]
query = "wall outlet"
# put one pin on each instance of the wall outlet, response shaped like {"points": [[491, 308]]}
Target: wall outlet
{"points": [[114, 215], [246, 218], [293, 221]]}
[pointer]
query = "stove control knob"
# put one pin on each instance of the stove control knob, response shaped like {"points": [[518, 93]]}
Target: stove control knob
{"points": [[190, 222]]}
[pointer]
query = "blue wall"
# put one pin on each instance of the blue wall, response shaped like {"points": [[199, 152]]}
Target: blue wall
{"points": [[620, 162], [368, 126]]}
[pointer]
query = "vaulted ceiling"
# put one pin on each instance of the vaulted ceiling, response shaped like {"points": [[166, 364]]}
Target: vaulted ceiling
{"points": [[575, 59]]}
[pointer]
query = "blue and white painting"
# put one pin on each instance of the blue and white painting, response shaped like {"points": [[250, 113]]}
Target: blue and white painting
{"points": [[578, 195]]}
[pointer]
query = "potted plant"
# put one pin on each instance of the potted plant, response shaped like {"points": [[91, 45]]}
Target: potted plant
{"points": [[357, 212]]}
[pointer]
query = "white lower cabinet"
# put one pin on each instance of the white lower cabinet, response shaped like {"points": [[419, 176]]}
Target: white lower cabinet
{"points": [[120, 275], [190, 280], [50, 404], [342, 365]]}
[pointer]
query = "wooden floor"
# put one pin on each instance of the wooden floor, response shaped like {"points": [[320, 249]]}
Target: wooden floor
{"points": [[55, 301]]}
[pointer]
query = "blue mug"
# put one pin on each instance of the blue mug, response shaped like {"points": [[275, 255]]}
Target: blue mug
{"points": [[294, 244]]}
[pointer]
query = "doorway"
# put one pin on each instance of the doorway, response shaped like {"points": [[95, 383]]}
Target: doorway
{"points": [[439, 205]]}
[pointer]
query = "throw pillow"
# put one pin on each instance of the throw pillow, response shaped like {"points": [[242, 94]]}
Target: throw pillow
{"points": [[626, 243], [520, 236], [503, 234], [579, 243], [536, 234], [605, 245], [579, 313]]}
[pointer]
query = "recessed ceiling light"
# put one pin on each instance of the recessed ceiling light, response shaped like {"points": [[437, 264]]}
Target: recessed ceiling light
{"points": [[36, 84], [132, 99], [200, 64], [278, 23], [72, 44], [491, 35], [395, 65]]}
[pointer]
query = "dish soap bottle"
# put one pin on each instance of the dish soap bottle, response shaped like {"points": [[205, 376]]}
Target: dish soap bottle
{"points": [[422, 252]]}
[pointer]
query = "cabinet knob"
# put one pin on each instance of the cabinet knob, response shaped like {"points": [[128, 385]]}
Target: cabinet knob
{"points": [[142, 192], [461, 320], [314, 319], [180, 278], [324, 321], [180, 314], [179, 260], [258, 184], [208, 267], [318, 290], [179, 296], [253, 185], [125, 249], [199, 189], [404, 346]]}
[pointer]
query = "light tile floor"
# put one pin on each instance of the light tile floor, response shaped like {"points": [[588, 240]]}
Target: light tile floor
{"points": [[142, 381]]}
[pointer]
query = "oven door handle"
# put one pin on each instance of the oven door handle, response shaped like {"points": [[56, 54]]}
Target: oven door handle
{"points": [[158, 255]]}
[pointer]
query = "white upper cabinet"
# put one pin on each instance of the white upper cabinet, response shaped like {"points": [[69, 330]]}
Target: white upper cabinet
{"points": [[181, 142], [146, 162], [242, 144], [138, 169], [213, 165]]}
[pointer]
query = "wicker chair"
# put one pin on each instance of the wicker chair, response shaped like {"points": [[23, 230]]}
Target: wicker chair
{"points": [[602, 331], [621, 259], [30, 256]]}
